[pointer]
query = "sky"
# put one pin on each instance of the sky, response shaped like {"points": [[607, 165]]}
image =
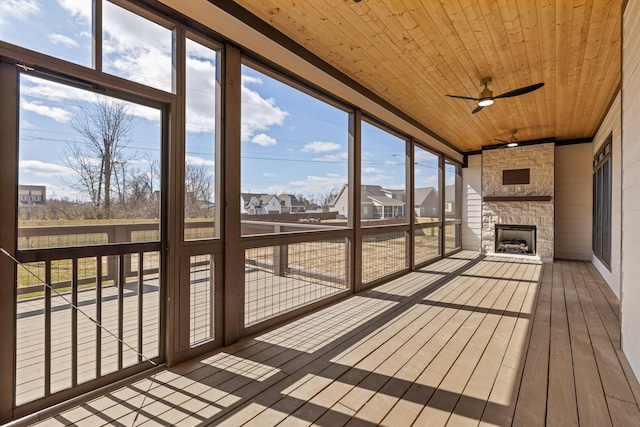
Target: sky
{"points": [[291, 142]]}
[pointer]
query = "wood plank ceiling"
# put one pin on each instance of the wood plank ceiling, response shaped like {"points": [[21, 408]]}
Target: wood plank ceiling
{"points": [[412, 53]]}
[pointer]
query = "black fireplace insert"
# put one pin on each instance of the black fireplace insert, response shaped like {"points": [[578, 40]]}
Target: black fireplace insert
{"points": [[515, 239]]}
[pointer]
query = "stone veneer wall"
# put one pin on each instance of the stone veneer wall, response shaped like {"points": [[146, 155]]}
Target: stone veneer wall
{"points": [[540, 160]]}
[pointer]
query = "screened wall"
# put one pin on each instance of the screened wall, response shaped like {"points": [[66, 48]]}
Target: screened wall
{"points": [[167, 193]]}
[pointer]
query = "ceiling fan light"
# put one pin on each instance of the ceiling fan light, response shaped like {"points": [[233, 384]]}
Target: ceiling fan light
{"points": [[512, 144], [485, 102]]}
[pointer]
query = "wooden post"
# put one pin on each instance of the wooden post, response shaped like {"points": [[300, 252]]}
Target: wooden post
{"points": [[234, 256], [8, 234], [355, 205]]}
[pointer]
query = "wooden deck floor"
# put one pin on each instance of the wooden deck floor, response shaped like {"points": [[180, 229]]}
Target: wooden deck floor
{"points": [[466, 341]]}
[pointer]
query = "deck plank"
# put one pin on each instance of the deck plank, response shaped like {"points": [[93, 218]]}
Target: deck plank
{"points": [[450, 390], [614, 381], [561, 403], [465, 341], [592, 405], [421, 391], [500, 406], [475, 396], [531, 404]]}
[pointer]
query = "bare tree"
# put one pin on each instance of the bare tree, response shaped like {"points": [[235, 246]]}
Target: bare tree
{"points": [[199, 190], [142, 196], [105, 126]]}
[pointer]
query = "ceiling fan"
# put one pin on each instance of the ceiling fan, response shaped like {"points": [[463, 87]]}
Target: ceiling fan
{"points": [[513, 141], [485, 98]]}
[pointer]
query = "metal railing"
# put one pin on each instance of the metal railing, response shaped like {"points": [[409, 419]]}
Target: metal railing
{"points": [[97, 328]]}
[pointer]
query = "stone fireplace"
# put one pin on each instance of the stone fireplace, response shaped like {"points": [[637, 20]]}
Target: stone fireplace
{"points": [[517, 189]]}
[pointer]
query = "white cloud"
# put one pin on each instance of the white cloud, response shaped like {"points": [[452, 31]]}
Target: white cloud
{"points": [[18, 9], [77, 8], [258, 113], [58, 114], [311, 185], [45, 89], [263, 140], [197, 161], [126, 31], [372, 170], [63, 40], [338, 157], [251, 80], [201, 96], [136, 48], [196, 50], [320, 147], [378, 179], [269, 174], [38, 168], [148, 66], [146, 113]]}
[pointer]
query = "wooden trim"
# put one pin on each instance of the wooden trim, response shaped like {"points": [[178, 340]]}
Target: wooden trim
{"points": [[234, 256], [8, 234], [520, 143], [516, 199], [396, 228], [564, 142], [291, 238], [96, 45], [441, 190], [167, 264], [179, 289], [410, 211], [51, 254], [355, 209], [85, 78]]}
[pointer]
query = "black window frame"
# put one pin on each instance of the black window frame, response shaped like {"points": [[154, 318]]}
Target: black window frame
{"points": [[602, 200]]}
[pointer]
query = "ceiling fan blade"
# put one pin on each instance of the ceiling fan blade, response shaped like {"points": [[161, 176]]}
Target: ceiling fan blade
{"points": [[478, 108], [464, 97], [502, 140], [521, 91]]}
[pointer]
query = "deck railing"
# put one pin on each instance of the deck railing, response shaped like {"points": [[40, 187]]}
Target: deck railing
{"points": [[61, 239]]}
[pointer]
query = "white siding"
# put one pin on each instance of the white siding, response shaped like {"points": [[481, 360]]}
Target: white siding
{"points": [[631, 185], [472, 204], [573, 199]]}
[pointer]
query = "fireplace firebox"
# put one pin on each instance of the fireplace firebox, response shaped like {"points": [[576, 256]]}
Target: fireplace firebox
{"points": [[515, 239]]}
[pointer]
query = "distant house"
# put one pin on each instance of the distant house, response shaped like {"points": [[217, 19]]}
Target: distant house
{"points": [[260, 204], [32, 194], [450, 201], [394, 194], [291, 204], [314, 208], [425, 202], [375, 202]]}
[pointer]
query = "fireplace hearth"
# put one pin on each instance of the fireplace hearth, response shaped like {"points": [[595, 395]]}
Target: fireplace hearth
{"points": [[515, 239]]}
